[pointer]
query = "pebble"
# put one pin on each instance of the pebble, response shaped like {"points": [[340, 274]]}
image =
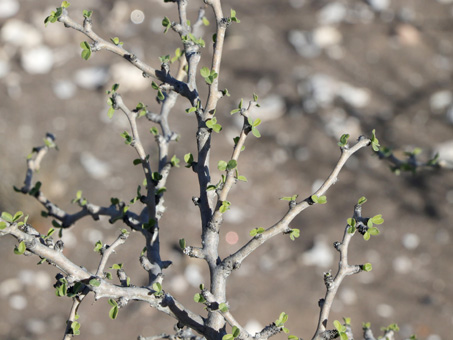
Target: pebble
{"points": [[402, 264], [348, 296], [410, 241], [94, 166], [379, 5], [253, 326], [129, 77], [326, 36], [21, 34], [445, 151], [321, 254], [235, 215], [91, 78], [355, 96], [92, 235], [332, 13], [440, 100], [178, 284], [8, 8], [193, 275], [18, 302], [302, 42], [271, 108], [36, 326], [64, 89], [10, 286], [384, 310], [37, 60]]}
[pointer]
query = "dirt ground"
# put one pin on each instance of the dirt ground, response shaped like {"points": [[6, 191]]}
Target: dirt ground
{"points": [[321, 69]]}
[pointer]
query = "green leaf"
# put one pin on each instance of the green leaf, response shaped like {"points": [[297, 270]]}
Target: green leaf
{"points": [[65, 4], [351, 230], [160, 95], [351, 222], [361, 200], [366, 236], [191, 109], [182, 243], [113, 313], [242, 178], [374, 141], [339, 327], [157, 287], [343, 140], [2, 225], [233, 16], [255, 132], [205, 21], [319, 200], [87, 14], [20, 248], [166, 23], [165, 59], [293, 337], [86, 50], [295, 233], [117, 266], [17, 216], [367, 267], [188, 158], [376, 219], [344, 336], [95, 282], [225, 206], [289, 198], [199, 298], [7, 217], [222, 165], [347, 321], [228, 337], [223, 307], [115, 40], [256, 231], [205, 72], [235, 331], [373, 231], [98, 246], [75, 327], [175, 161], [232, 164]]}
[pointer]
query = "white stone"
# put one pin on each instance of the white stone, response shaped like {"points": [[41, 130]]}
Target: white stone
{"points": [[129, 77], [64, 89], [321, 254], [253, 326], [94, 166], [4, 68], [36, 326], [302, 42], [379, 5], [91, 77], [402, 264], [8, 8], [19, 33], [37, 60], [445, 151], [326, 36], [440, 100], [69, 239], [193, 275], [410, 241], [348, 296], [384, 310], [137, 16], [272, 107], [332, 13], [92, 235], [178, 284], [235, 215], [18, 302], [355, 96], [10, 286]]}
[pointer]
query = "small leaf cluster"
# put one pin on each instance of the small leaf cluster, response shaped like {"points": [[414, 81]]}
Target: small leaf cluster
{"points": [[116, 41], [79, 199], [341, 330], [160, 94], [375, 142], [319, 200], [111, 99], [75, 326], [55, 15], [289, 198], [188, 158], [87, 14], [224, 166], [158, 291], [280, 322], [343, 140], [225, 206], [208, 75], [212, 124], [86, 50], [191, 38], [198, 297], [392, 327], [113, 312], [254, 124], [295, 233], [233, 17], [166, 23], [233, 335], [256, 231]]}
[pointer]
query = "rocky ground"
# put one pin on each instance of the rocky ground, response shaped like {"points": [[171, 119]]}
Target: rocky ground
{"points": [[321, 69]]}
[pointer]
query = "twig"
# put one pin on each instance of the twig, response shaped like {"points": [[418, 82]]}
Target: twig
{"points": [[109, 251]]}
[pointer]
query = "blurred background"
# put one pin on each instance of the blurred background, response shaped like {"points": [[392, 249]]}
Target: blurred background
{"points": [[321, 69]]}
